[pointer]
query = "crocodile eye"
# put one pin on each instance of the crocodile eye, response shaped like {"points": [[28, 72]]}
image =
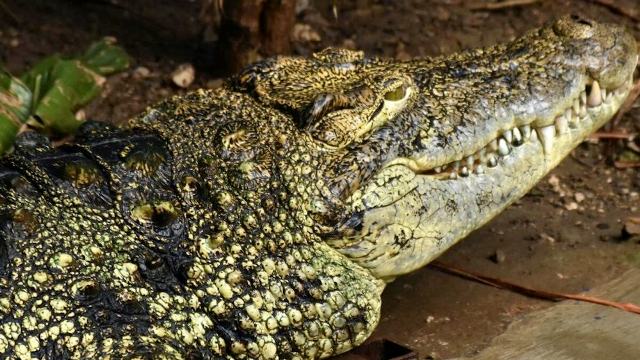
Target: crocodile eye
{"points": [[396, 94]]}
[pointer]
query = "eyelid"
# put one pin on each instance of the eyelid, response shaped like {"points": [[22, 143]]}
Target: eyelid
{"points": [[396, 94]]}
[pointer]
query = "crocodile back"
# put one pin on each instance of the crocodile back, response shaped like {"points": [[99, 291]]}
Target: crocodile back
{"points": [[170, 239]]}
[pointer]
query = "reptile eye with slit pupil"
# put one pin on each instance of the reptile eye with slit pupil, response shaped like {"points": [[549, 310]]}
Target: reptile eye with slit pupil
{"points": [[396, 94]]}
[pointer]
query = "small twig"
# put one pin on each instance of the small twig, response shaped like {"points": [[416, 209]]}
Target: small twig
{"points": [[626, 164], [612, 136], [540, 294], [501, 5], [627, 104], [609, 4], [8, 11]]}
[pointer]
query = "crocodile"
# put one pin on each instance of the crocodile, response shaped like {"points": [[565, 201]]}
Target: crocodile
{"points": [[263, 219]]}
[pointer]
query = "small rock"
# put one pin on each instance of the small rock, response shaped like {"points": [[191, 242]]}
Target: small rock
{"points": [[183, 75], [579, 197], [631, 229], [141, 72], [547, 237], [81, 115], [498, 256], [572, 205], [304, 33]]}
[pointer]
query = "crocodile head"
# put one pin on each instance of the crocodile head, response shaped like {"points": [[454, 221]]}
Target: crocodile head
{"points": [[487, 125], [437, 147]]}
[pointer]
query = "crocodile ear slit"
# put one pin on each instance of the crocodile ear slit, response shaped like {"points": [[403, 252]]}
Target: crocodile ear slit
{"points": [[322, 105]]}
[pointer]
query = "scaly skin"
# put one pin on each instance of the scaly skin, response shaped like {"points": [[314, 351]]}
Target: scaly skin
{"points": [[261, 220]]}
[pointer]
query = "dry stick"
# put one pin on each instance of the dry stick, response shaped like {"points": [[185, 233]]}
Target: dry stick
{"points": [[502, 5], [626, 164], [540, 294], [609, 4], [612, 135]]}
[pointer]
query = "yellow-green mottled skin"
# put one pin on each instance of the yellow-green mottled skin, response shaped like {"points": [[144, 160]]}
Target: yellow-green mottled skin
{"points": [[261, 220]]}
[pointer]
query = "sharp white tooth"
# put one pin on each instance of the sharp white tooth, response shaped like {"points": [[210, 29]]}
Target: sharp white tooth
{"points": [[492, 161], [583, 110], [438, 169], [464, 172], [470, 160], [583, 97], [479, 170], [526, 131], [595, 96], [603, 92], [453, 176], [534, 135], [508, 136], [503, 148], [568, 114], [517, 137], [576, 106], [547, 135], [493, 145], [562, 125]]}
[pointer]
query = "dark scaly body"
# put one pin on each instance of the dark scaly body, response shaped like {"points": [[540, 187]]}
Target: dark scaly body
{"points": [[257, 221]]}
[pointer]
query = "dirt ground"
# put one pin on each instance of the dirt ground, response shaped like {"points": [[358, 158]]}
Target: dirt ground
{"points": [[565, 235]]}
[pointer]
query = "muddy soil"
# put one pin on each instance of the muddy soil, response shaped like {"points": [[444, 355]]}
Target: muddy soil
{"points": [[565, 235]]}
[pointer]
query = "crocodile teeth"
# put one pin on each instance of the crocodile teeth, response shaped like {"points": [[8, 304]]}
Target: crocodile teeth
{"points": [[576, 106], [464, 172], [503, 148], [438, 169], [453, 175], [517, 137], [595, 95], [605, 98], [508, 136], [492, 161], [562, 125], [455, 166], [546, 135], [479, 170], [493, 145], [526, 131], [470, 160]]}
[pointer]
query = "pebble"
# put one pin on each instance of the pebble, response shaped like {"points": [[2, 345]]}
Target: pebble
{"points": [[498, 256], [184, 75]]}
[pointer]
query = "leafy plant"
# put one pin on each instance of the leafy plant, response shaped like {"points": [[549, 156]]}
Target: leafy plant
{"points": [[48, 95]]}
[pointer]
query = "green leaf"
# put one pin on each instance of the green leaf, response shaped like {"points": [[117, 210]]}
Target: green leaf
{"points": [[15, 107], [49, 94], [61, 88], [105, 58]]}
